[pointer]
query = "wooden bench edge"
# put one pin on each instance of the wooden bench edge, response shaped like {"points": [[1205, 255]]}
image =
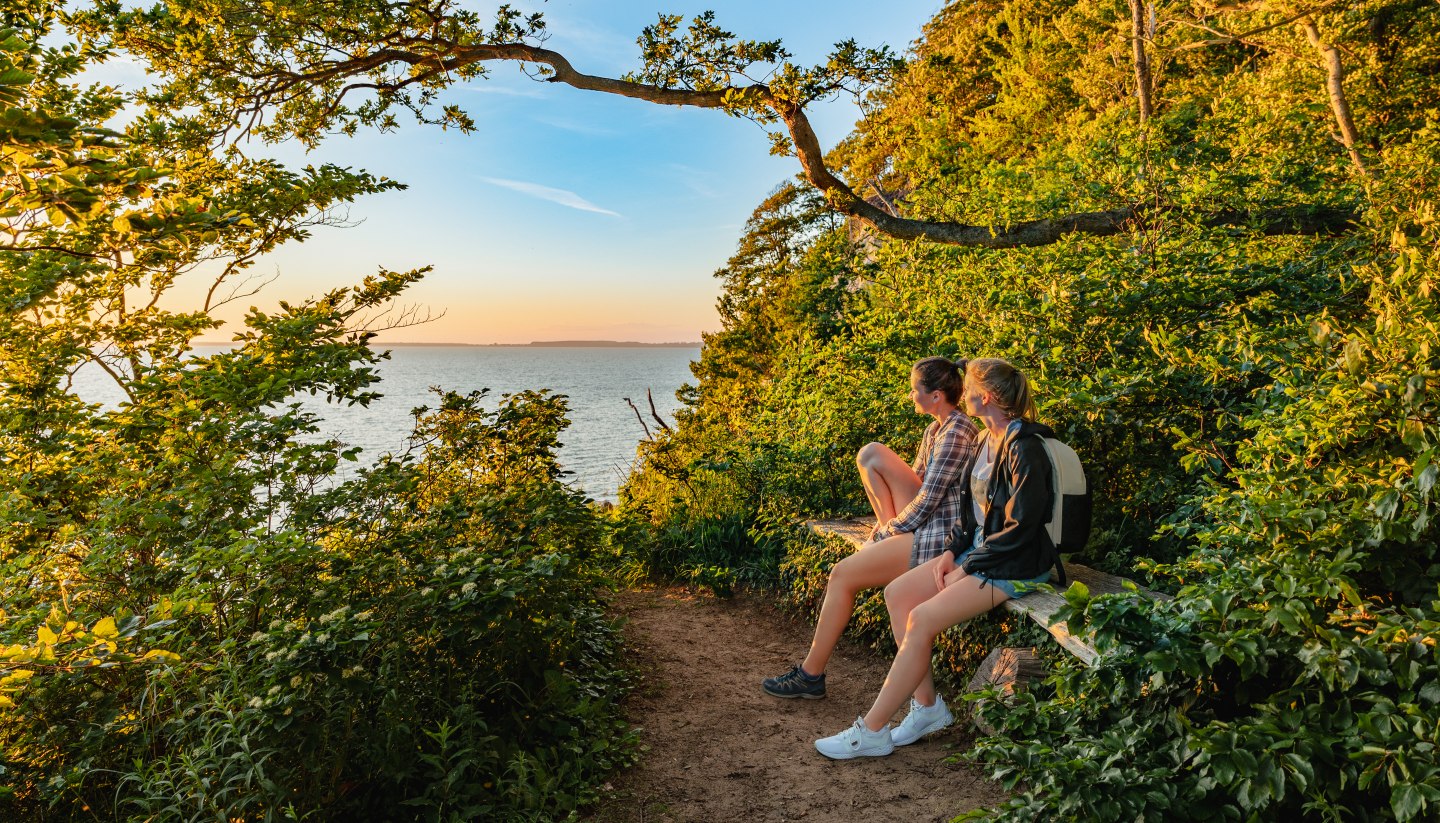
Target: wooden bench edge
{"points": [[854, 530]]}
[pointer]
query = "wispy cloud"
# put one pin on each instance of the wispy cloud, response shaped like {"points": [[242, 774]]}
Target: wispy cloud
{"points": [[699, 181], [494, 87], [568, 199], [588, 129]]}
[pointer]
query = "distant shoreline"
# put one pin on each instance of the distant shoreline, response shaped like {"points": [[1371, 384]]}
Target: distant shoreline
{"points": [[537, 344]]}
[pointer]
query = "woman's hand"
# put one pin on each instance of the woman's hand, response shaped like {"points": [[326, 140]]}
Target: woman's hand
{"points": [[944, 567]]}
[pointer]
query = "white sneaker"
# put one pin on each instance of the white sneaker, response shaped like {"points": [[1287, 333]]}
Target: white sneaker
{"points": [[856, 741], [921, 720]]}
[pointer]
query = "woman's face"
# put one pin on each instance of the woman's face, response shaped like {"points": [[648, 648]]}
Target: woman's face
{"points": [[926, 401], [974, 396]]}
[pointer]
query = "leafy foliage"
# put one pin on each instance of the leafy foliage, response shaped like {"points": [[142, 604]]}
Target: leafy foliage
{"points": [[1256, 412], [205, 616]]}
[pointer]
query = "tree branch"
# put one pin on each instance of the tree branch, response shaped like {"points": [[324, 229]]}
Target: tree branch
{"points": [[633, 408], [114, 375], [287, 77], [1335, 86], [843, 199], [653, 413], [1225, 39]]}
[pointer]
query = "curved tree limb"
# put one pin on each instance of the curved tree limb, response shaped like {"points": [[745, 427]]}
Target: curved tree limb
{"points": [[656, 414], [1225, 38], [281, 78], [648, 435]]}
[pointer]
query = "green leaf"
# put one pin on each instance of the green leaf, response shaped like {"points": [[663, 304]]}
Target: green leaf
{"points": [[1212, 653], [1430, 692], [105, 629], [1302, 771], [1078, 595], [1406, 802], [15, 77]]}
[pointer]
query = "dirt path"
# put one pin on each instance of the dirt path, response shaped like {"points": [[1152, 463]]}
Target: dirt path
{"points": [[720, 749]]}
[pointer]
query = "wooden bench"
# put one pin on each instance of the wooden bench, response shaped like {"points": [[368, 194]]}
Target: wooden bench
{"points": [[1007, 669], [1039, 606]]}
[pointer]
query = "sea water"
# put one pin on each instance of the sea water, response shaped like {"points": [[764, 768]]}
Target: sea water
{"points": [[598, 449]]}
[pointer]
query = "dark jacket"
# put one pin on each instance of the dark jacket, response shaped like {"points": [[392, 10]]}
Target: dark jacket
{"points": [[1016, 546]]}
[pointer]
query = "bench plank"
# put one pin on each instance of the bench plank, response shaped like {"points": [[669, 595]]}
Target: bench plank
{"points": [[1038, 606]]}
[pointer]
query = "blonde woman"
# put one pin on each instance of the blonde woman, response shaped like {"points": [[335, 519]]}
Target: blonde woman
{"points": [[1000, 550], [915, 507]]}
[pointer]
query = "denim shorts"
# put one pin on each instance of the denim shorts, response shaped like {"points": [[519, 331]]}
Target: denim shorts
{"points": [[1014, 588]]}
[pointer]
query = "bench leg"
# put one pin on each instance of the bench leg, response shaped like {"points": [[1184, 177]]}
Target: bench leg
{"points": [[1006, 669]]}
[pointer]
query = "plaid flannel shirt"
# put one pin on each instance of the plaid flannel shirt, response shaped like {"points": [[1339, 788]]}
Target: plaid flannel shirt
{"points": [[946, 448]]}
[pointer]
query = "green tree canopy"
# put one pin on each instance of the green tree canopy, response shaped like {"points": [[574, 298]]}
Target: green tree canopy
{"points": [[294, 69]]}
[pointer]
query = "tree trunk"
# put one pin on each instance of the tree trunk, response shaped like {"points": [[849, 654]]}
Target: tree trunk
{"points": [[1335, 85], [1138, 13], [1006, 669]]}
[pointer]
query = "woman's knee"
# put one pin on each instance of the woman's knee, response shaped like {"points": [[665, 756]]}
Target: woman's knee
{"points": [[900, 594], [924, 623], [893, 594], [908, 591], [895, 604], [843, 576], [869, 455]]}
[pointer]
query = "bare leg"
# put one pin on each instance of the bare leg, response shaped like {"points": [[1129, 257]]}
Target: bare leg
{"points": [[960, 601], [901, 597], [889, 482], [874, 565]]}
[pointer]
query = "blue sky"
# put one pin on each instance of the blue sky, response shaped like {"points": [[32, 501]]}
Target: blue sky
{"points": [[572, 214]]}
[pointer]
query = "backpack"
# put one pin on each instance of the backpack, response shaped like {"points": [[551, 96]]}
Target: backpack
{"points": [[1069, 523]]}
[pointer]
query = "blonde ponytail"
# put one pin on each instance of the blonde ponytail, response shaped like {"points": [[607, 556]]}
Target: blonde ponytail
{"points": [[1006, 384]]}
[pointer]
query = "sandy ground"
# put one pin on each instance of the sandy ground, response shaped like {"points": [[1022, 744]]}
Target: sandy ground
{"points": [[717, 748]]}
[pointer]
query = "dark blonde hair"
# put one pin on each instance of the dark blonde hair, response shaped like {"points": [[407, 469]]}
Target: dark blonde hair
{"points": [[942, 375], [1006, 384]]}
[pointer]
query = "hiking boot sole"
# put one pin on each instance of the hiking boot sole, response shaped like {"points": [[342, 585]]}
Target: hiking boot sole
{"points": [[802, 695]]}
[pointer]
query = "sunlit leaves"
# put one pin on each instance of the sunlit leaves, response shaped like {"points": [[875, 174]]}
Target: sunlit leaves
{"points": [[1257, 412], [61, 645], [704, 57], [180, 570]]}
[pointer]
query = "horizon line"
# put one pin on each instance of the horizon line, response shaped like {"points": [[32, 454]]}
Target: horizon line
{"points": [[542, 343]]}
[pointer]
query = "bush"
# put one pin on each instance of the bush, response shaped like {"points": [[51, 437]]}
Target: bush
{"points": [[202, 619], [1256, 411], [410, 655]]}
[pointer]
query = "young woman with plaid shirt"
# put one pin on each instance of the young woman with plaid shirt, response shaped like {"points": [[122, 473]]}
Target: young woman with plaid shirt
{"points": [[915, 508]]}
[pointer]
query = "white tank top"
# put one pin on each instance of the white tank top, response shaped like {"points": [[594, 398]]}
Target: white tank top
{"points": [[980, 488]]}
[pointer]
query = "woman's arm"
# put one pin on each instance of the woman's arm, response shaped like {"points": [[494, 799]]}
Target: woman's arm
{"points": [[947, 458]]}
